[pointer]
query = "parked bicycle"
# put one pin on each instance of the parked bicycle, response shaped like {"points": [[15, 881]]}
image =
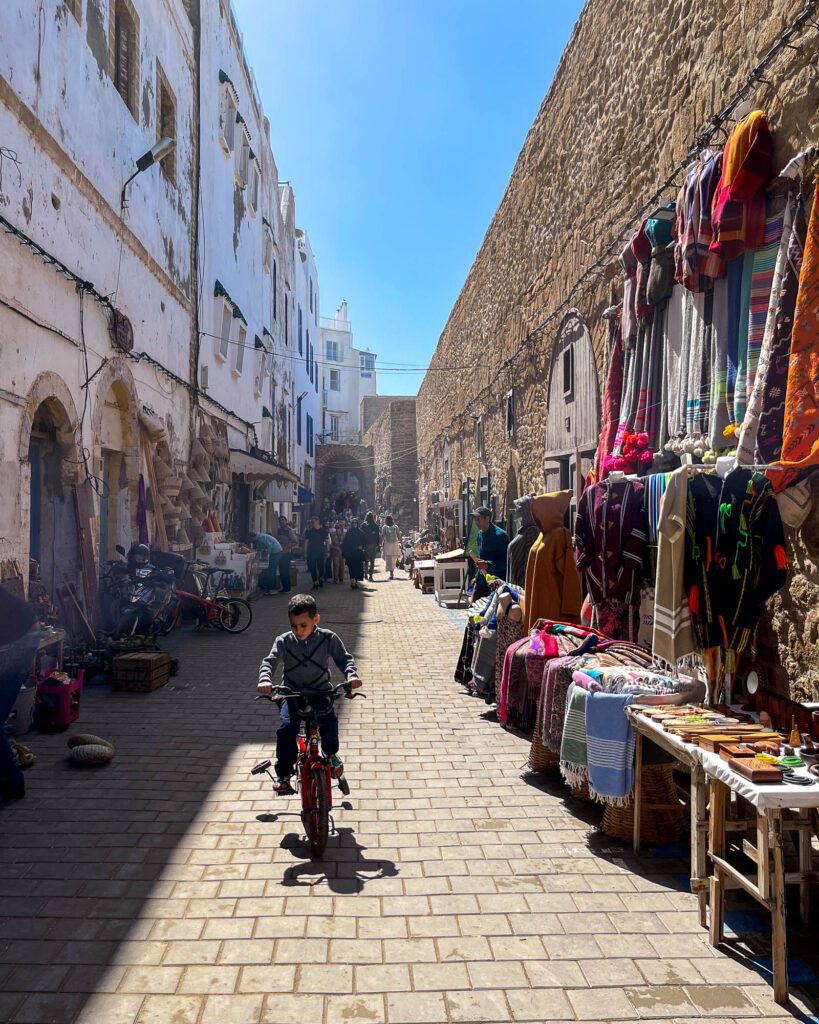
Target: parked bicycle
{"points": [[212, 604], [314, 770]]}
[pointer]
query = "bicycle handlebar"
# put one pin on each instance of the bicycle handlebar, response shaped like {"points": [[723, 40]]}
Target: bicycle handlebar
{"points": [[281, 694]]}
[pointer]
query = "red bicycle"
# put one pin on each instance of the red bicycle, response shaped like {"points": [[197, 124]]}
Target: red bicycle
{"points": [[314, 770], [213, 606]]}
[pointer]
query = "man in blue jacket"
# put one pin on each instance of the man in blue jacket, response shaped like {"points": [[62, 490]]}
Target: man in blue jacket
{"points": [[492, 544]]}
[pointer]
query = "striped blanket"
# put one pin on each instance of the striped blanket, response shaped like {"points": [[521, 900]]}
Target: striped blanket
{"points": [[610, 746]]}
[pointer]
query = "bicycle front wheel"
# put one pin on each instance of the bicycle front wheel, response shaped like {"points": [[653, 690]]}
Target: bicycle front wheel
{"points": [[234, 614], [316, 813]]}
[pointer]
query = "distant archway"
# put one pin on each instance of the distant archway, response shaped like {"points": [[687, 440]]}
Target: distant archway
{"points": [[344, 471]]}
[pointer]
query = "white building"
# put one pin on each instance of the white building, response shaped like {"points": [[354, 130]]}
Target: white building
{"points": [[307, 406], [96, 309], [348, 375]]}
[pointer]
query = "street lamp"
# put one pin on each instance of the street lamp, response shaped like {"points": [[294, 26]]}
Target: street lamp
{"points": [[156, 153]]}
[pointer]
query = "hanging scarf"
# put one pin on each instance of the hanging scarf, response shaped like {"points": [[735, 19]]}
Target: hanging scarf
{"points": [[772, 413], [654, 378], [718, 419], [573, 756], [764, 261], [746, 450], [738, 208], [628, 320], [610, 747], [800, 438], [673, 343], [611, 404]]}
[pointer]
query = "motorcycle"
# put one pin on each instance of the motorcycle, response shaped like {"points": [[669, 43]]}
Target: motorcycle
{"points": [[141, 596]]}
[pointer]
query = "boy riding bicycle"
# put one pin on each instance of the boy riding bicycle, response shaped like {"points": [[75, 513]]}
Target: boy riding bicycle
{"points": [[304, 653]]}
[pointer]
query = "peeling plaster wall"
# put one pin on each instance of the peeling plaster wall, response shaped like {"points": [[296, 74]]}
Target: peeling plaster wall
{"points": [[76, 143]]}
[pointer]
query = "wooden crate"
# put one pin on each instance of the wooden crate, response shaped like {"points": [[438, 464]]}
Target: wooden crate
{"points": [[141, 671]]}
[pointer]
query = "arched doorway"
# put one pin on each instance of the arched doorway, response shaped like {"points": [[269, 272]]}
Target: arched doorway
{"points": [[344, 478], [573, 408], [51, 455], [115, 427]]}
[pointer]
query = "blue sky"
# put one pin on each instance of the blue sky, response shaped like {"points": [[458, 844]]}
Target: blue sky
{"points": [[398, 123]]}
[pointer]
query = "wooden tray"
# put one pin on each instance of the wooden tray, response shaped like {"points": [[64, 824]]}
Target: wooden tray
{"points": [[729, 750], [756, 771]]}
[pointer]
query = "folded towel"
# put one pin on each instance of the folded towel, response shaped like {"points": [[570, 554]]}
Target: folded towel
{"points": [[610, 746], [573, 757]]}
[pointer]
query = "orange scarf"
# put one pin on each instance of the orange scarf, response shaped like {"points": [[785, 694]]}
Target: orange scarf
{"points": [[800, 434]]}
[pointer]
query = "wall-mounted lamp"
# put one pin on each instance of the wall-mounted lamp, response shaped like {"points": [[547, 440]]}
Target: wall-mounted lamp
{"points": [[156, 153]]}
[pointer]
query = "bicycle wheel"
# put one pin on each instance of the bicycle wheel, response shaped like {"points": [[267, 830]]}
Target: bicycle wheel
{"points": [[316, 815], [235, 615]]}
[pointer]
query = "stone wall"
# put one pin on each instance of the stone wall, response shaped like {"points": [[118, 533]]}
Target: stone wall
{"points": [[635, 85], [392, 438], [373, 405]]}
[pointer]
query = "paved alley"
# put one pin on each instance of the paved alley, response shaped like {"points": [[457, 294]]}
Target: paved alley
{"points": [[171, 887]]}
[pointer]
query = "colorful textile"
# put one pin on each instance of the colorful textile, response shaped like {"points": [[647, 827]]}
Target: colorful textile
{"points": [[610, 540], [509, 665], [517, 554], [650, 397], [552, 584], [775, 383], [612, 396], [675, 341], [698, 367], [734, 276], [509, 632], [746, 449], [617, 619], [673, 635], [654, 489], [641, 248], [610, 747], [695, 264], [735, 557], [738, 207], [718, 416], [573, 756], [800, 438], [659, 232], [483, 662], [762, 272], [628, 320]]}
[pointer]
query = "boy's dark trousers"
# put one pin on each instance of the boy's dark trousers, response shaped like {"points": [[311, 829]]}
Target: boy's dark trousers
{"points": [[288, 731]]}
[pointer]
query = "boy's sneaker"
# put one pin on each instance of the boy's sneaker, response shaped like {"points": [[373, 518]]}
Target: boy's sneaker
{"points": [[283, 787], [337, 766]]}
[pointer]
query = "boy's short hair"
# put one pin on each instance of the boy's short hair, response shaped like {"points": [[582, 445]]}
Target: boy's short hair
{"points": [[302, 604]]}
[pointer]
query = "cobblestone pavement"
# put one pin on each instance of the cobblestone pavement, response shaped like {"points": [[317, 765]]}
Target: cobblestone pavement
{"points": [[171, 887]]}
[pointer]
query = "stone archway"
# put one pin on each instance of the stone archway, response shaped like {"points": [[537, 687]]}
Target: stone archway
{"points": [[51, 465], [116, 440], [342, 468]]}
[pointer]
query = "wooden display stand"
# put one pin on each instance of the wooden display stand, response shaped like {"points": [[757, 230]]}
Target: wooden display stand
{"points": [[450, 575]]}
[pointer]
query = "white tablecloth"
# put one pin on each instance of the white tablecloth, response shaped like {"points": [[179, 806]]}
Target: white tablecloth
{"points": [[763, 797]]}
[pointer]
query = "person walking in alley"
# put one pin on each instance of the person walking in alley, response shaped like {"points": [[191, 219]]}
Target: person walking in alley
{"points": [[19, 637], [391, 542], [353, 548], [316, 543], [372, 542], [304, 654], [289, 540], [336, 543], [267, 546]]}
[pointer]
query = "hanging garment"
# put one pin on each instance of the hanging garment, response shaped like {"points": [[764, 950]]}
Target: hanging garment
{"points": [[695, 264], [509, 632], [552, 585], [652, 399], [142, 512], [718, 413], [746, 449], [610, 747], [738, 207], [628, 320], [800, 437], [674, 367], [574, 763], [734, 557], [762, 272], [612, 396], [617, 619], [629, 403], [698, 370], [641, 248], [659, 232], [517, 554], [673, 636], [734, 278], [610, 540], [774, 385]]}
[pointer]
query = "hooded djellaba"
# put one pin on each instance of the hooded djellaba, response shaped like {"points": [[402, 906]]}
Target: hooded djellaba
{"points": [[521, 543], [553, 588]]}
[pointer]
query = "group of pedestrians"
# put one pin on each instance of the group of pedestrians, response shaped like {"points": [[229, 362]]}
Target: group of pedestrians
{"points": [[327, 549]]}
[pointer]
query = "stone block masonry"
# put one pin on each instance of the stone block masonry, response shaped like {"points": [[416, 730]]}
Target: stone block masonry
{"points": [[392, 437], [635, 84]]}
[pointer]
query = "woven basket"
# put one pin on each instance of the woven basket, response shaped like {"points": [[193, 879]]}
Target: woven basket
{"points": [[541, 758], [657, 825]]}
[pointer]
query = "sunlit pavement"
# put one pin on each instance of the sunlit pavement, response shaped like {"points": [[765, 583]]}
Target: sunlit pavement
{"points": [[171, 887]]}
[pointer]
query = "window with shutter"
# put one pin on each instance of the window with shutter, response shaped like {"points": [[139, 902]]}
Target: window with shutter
{"points": [[240, 349], [166, 122], [124, 55], [224, 334]]}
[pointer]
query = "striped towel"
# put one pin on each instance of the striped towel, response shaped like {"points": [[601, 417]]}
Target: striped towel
{"points": [[610, 747], [573, 758]]}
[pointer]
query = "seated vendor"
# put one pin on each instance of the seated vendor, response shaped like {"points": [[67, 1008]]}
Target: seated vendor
{"points": [[492, 544]]}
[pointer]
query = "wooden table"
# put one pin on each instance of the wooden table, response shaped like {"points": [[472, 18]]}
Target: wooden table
{"points": [[774, 810], [688, 757]]}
